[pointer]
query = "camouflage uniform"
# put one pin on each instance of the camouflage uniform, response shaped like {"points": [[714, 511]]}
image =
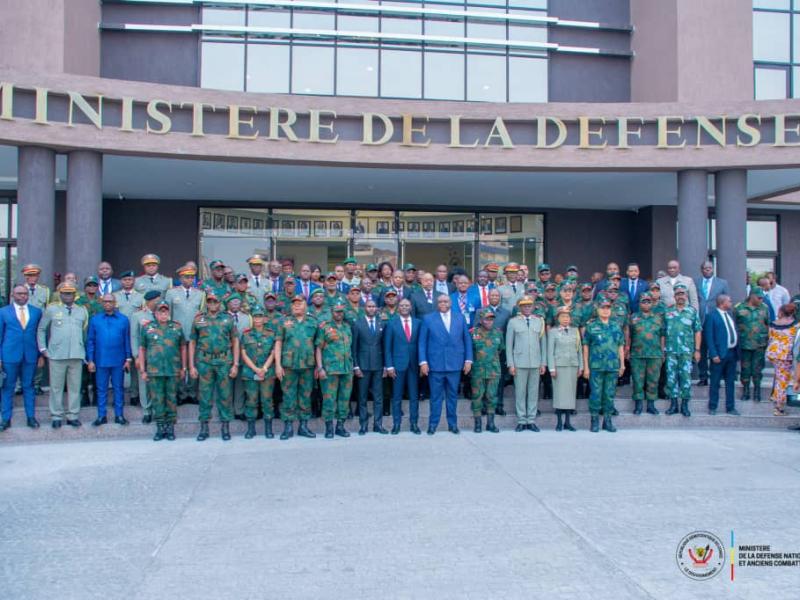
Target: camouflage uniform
{"points": [[646, 354], [487, 346], [335, 298], [213, 336], [162, 352], [297, 359], [221, 290], [93, 306], [335, 340], [752, 324], [681, 325], [258, 345], [321, 315], [249, 301], [351, 315], [604, 341]]}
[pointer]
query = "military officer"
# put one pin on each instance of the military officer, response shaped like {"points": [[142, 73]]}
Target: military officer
{"points": [[511, 291], [248, 299], [319, 308], [389, 309], [38, 296], [565, 363], [61, 337], [139, 319], [350, 278], [162, 354], [272, 316], [752, 323], [526, 356], [259, 282], [287, 294], [242, 322], [217, 283], [152, 279], [294, 367], [258, 372], [334, 362], [682, 345], [354, 307], [646, 354], [214, 360], [332, 294], [544, 275], [185, 302], [604, 359], [128, 299], [487, 344]]}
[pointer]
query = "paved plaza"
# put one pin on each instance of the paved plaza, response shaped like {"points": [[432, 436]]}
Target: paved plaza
{"points": [[513, 515]]}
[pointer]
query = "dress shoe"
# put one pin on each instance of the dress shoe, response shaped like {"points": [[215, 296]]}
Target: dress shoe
{"points": [[520, 427], [745, 391], [56, 423], [532, 427], [99, 421], [431, 431], [240, 417], [478, 425], [159, 432], [500, 411], [567, 425], [340, 430], [712, 411], [685, 408], [490, 426], [147, 419], [120, 420], [454, 430], [734, 412], [702, 382], [651, 407], [33, 423], [304, 431], [379, 429], [608, 425], [251, 429], [73, 422], [134, 400], [362, 430], [595, 427], [203, 435], [268, 428], [415, 429], [225, 431], [5, 425], [288, 430], [673, 407], [38, 390], [328, 430], [395, 429], [757, 392], [169, 432], [614, 411], [637, 407]]}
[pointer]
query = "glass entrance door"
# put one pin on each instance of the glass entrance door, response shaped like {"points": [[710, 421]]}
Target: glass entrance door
{"points": [[429, 239], [314, 237]]}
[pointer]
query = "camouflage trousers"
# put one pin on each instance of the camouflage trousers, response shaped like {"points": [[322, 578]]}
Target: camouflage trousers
{"points": [[336, 390], [259, 393], [162, 391], [752, 366], [483, 388], [679, 376], [296, 386], [645, 373], [604, 387], [214, 387]]}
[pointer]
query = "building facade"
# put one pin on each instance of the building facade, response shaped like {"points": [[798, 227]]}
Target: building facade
{"points": [[566, 131]]}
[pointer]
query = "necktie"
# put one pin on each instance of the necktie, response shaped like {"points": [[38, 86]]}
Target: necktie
{"points": [[399, 293], [462, 304], [407, 329], [152, 279], [632, 286], [514, 288], [187, 293], [128, 296], [23, 320], [236, 318], [528, 322], [33, 290], [69, 311], [484, 296], [731, 332], [372, 326], [706, 286], [430, 297], [258, 283], [305, 290]]}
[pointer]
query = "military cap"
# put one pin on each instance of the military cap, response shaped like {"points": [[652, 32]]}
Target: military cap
{"points": [[562, 310], [290, 277], [550, 286], [572, 268], [511, 268], [409, 267], [256, 311], [153, 294], [210, 296], [757, 291], [151, 259], [298, 298], [67, 288], [647, 296], [216, 263], [526, 299], [615, 276], [241, 276], [390, 292], [233, 297], [679, 287], [543, 267], [356, 287], [91, 280], [338, 307], [31, 269], [486, 313], [272, 295], [586, 286], [256, 259], [330, 275], [350, 260], [532, 289], [654, 285], [317, 292], [604, 302], [162, 304], [492, 267], [127, 274], [187, 270], [372, 267]]}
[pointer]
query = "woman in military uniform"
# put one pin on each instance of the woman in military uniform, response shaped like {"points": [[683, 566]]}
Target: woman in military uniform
{"points": [[604, 359], [258, 373], [565, 361]]}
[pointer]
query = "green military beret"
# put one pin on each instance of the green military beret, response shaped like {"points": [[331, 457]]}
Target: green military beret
{"points": [[486, 313], [646, 297], [162, 304], [125, 274], [318, 292], [543, 267], [216, 263], [91, 280], [350, 260], [757, 291], [409, 267], [372, 267], [586, 286], [152, 295], [256, 311], [233, 297], [572, 268], [241, 276]]}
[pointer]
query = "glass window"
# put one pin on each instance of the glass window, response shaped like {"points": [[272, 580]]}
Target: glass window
{"points": [[760, 265], [312, 236], [446, 28], [312, 70], [486, 78], [357, 72], [375, 237], [399, 25], [268, 68], [527, 79], [776, 4], [401, 74], [540, 4], [762, 236], [223, 16], [4, 219], [526, 32], [444, 76], [428, 239], [348, 23], [796, 39], [222, 66], [796, 83], [14, 220], [483, 30], [314, 20], [511, 238], [269, 18], [232, 234], [770, 83], [771, 36]]}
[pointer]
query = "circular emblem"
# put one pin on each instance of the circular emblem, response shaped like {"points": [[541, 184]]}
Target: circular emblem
{"points": [[700, 555]]}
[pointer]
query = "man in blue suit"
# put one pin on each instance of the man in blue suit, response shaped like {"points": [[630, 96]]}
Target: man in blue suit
{"points": [[400, 340], [464, 302], [19, 354], [107, 283], [633, 286], [723, 349], [445, 351], [304, 284], [709, 288]]}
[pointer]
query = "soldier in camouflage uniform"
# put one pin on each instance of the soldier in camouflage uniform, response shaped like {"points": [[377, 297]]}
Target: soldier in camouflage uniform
{"points": [[294, 367], [410, 278], [319, 308], [139, 319], [285, 297], [334, 361], [249, 299], [216, 284], [584, 308], [162, 353], [242, 322], [152, 279], [353, 308], [487, 344], [752, 323], [258, 372], [646, 354], [603, 357], [214, 359], [682, 346], [272, 316], [332, 294], [389, 309]]}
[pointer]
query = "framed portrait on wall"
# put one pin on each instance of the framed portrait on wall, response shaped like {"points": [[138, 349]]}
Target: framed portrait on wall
{"points": [[444, 228], [320, 228], [336, 229], [458, 226], [206, 220], [362, 227], [515, 224], [232, 223], [486, 225], [244, 225], [402, 226], [413, 229], [500, 225], [258, 226], [303, 228], [469, 225], [382, 228], [287, 228], [219, 222]]}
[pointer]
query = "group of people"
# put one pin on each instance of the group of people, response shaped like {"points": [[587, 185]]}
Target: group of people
{"points": [[270, 342]]}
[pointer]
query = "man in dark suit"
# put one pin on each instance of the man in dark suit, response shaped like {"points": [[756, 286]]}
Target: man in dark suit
{"points": [[709, 288], [633, 286], [723, 348], [400, 339], [304, 284], [423, 301], [445, 351], [19, 354], [368, 365], [398, 286], [107, 284], [441, 284]]}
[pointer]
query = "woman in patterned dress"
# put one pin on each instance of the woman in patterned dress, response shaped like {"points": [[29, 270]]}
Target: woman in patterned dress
{"points": [[782, 334]]}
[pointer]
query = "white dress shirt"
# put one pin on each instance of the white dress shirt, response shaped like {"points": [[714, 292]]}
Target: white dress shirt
{"points": [[446, 320], [730, 328]]}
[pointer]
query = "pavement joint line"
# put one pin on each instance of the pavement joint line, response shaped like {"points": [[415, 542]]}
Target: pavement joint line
{"points": [[756, 453], [563, 523]]}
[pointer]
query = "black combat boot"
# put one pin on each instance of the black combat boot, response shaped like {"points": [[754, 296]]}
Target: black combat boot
{"points": [[490, 426], [608, 425], [170, 432], [477, 428], [268, 427], [637, 407], [673, 407], [746, 390], [203, 435], [614, 411], [756, 391], [559, 424], [567, 425], [595, 424], [651, 407], [304, 431], [251, 429], [685, 408], [225, 431], [159, 433], [329, 430], [288, 430], [340, 430]]}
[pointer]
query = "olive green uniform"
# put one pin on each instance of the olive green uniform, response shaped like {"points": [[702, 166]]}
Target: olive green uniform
{"points": [[258, 345], [213, 337], [752, 323], [297, 359], [335, 340], [162, 356], [487, 345], [647, 332], [145, 283]]}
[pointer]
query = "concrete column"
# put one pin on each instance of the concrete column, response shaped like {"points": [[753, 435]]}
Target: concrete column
{"points": [[730, 190], [84, 212], [36, 198], [692, 220]]}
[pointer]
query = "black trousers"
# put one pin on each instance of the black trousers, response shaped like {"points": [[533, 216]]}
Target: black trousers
{"points": [[725, 370], [372, 381]]}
